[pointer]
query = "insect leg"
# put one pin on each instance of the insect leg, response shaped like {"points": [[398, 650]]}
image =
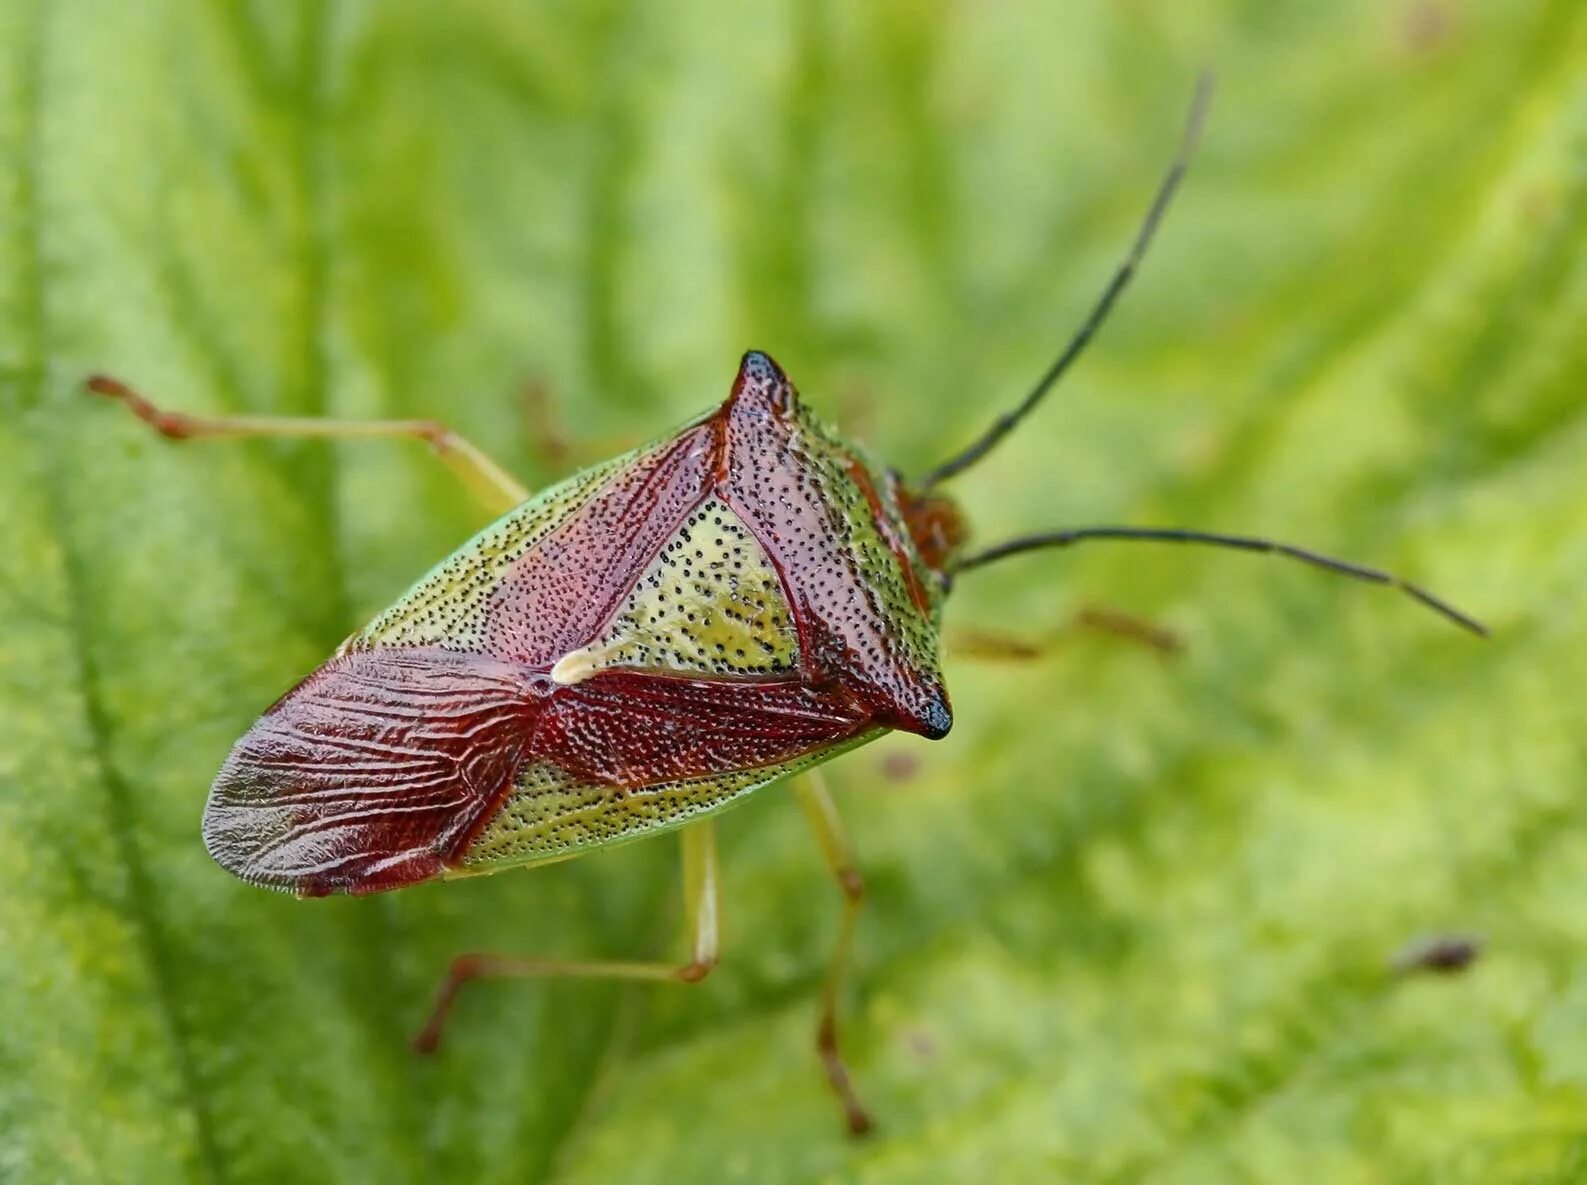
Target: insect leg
{"points": [[702, 901], [494, 485], [828, 827], [1004, 646], [1129, 627], [701, 911], [560, 449]]}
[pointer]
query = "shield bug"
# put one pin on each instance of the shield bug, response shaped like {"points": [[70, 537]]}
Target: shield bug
{"points": [[630, 652]]}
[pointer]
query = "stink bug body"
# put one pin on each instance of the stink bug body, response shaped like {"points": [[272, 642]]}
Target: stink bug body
{"points": [[626, 653], [630, 650]]}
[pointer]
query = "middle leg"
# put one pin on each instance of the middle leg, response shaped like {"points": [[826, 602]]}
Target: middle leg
{"points": [[1004, 646], [701, 913]]}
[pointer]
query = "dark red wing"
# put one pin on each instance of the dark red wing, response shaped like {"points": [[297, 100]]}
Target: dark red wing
{"points": [[562, 592], [629, 728], [370, 772]]}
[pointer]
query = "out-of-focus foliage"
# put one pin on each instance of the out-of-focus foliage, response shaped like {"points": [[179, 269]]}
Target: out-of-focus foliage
{"points": [[1131, 921]]}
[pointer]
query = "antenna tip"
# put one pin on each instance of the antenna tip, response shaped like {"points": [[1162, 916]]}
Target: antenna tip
{"points": [[1196, 121], [1442, 607]]}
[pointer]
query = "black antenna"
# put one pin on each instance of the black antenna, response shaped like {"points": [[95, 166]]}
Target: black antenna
{"points": [[1242, 542], [1007, 422]]}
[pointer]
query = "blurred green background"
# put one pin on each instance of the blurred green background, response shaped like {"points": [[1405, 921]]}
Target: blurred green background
{"points": [[1130, 922]]}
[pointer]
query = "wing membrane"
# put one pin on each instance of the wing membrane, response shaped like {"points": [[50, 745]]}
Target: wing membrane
{"points": [[371, 772]]}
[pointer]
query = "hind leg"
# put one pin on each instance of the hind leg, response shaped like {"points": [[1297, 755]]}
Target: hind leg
{"points": [[702, 915]]}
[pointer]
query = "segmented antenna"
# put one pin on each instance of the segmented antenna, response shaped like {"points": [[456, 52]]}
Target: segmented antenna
{"points": [[1036, 542], [1009, 420]]}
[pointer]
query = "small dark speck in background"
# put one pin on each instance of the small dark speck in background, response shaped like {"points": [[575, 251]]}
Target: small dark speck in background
{"points": [[899, 766], [920, 1043], [1427, 25], [1442, 954]]}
